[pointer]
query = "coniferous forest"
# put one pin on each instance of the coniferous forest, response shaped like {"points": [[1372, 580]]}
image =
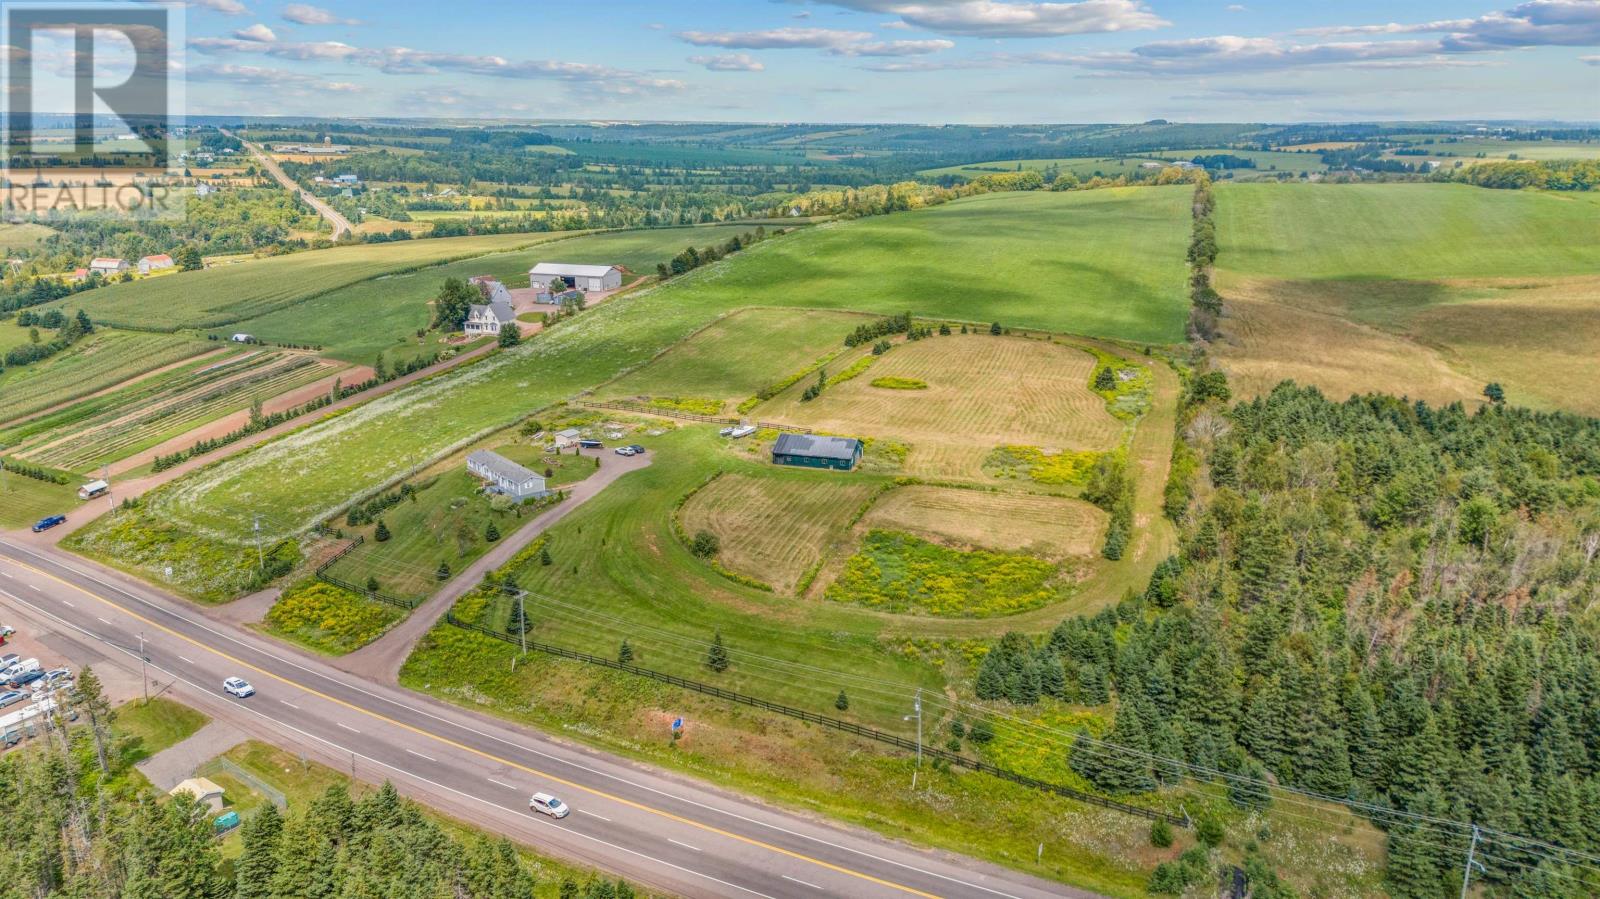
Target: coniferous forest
{"points": [[83, 824], [1376, 601]]}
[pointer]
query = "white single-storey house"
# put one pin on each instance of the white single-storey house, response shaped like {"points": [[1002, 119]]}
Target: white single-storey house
{"points": [[154, 263], [108, 265], [583, 277], [501, 475]]}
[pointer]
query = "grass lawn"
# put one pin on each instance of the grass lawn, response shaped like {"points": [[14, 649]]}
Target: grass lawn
{"points": [[24, 501], [444, 521], [146, 728], [25, 236]]}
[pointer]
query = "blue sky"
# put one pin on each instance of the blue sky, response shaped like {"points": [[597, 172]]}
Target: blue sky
{"points": [[966, 61]]}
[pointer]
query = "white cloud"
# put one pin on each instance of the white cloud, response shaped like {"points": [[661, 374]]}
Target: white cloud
{"points": [[259, 76], [226, 7], [256, 32], [1230, 53], [306, 14], [775, 38], [1237, 7], [587, 78], [1590, 60], [894, 48], [729, 62], [995, 18], [1537, 23]]}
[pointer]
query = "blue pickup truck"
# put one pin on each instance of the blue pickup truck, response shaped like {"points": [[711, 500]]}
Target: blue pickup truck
{"points": [[45, 524]]}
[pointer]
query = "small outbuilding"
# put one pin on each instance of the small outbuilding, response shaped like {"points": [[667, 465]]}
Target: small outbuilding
{"points": [[503, 476], [207, 792], [810, 451], [108, 265], [155, 263], [583, 277]]}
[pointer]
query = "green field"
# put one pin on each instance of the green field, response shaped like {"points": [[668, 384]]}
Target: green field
{"points": [[1103, 262], [24, 236], [1084, 167], [357, 322], [1431, 290], [1405, 231], [232, 293], [25, 500], [102, 360]]}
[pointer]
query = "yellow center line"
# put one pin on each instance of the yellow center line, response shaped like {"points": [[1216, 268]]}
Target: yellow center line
{"points": [[480, 753]]}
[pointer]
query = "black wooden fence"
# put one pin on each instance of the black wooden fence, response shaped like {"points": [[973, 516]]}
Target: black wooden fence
{"points": [[322, 575], [953, 758], [691, 416]]}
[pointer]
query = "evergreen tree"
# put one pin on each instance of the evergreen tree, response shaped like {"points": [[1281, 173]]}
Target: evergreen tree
{"points": [[254, 868], [443, 571], [381, 533], [717, 655], [842, 703], [491, 534], [625, 653]]}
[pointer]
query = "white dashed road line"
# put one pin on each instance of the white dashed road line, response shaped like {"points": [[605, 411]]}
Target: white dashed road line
{"points": [[347, 727], [421, 756], [593, 815], [684, 845], [801, 882]]}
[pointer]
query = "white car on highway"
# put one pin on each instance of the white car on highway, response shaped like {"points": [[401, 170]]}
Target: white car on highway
{"points": [[238, 686], [545, 804]]}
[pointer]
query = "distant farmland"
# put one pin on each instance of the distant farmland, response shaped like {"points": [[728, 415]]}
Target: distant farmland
{"points": [[1425, 289]]}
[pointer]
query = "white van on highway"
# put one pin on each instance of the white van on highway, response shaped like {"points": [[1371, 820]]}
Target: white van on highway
{"points": [[545, 804]]}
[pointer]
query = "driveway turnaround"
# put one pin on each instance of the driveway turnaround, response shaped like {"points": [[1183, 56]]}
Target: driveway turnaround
{"points": [[658, 829]]}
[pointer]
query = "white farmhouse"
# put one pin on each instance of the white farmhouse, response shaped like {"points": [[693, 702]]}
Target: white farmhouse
{"points": [[503, 476], [486, 320], [583, 277], [108, 265]]}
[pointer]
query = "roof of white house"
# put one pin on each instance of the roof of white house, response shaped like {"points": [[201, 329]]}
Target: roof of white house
{"points": [[566, 268], [501, 310], [159, 258], [103, 261], [501, 467]]}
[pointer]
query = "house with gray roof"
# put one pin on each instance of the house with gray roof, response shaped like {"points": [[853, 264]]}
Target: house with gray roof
{"points": [[812, 451], [503, 476]]}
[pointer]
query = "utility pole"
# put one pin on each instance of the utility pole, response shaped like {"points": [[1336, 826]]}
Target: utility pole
{"points": [[261, 560], [918, 715], [522, 620], [1466, 875], [143, 674]]}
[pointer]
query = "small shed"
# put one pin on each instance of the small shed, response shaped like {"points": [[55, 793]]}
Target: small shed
{"points": [[567, 437], [501, 475], [810, 451], [200, 788], [93, 489]]}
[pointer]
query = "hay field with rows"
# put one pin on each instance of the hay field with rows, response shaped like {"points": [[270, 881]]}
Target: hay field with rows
{"points": [[1050, 527], [983, 392], [776, 528]]}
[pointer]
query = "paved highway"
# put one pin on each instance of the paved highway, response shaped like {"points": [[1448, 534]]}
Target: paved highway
{"points": [[667, 832], [341, 225]]}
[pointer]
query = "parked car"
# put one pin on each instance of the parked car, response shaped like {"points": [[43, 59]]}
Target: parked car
{"points": [[591, 444], [7, 660], [545, 804], [58, 675], [637, 449], [11, 697], [24, 678], [6, 630], [23, 666], [625, 451], [238, 686], [45, 524]]}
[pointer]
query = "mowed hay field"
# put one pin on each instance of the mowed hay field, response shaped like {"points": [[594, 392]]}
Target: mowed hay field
{"points": [[1050, 527], [982, 392], [234, 292], [1104, 263], [357, 322], [739, 354], [1425, 289], [775, 528]]}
